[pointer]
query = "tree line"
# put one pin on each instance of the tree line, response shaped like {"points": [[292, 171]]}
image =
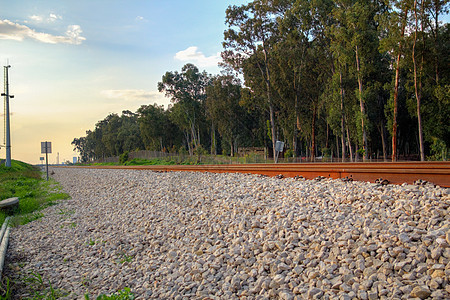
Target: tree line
{"points": [[348, 78]]}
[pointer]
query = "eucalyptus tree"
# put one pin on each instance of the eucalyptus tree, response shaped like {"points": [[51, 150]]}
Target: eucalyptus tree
{"points": [[435, 9], [290, 53], [342, 53], [222, 103], [306, 45], [357, 29], [84, 146], [251, 33], [187, 91], [129, 134], [154, 126], [394, 22]]}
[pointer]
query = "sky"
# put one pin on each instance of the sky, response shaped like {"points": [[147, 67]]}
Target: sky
{"points": [[75, 62]]}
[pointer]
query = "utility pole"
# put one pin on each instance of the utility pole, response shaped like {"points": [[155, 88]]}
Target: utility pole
{"points": [[7, 122]]}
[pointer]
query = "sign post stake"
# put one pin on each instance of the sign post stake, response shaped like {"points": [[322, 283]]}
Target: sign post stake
{"points": [[46, 163], [46, 147]]}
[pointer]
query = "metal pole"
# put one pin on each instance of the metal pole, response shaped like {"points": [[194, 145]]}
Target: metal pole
{"points": [[7, 129], [46, 158]]}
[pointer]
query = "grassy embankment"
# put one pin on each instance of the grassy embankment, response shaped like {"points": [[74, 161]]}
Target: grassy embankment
{"points": [[26, 182], [35, 193]]}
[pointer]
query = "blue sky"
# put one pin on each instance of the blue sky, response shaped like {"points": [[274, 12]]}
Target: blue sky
{"points": [[74, 62]]}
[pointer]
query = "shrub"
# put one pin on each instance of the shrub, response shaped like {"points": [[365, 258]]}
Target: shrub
{"points": [[123, 158]]}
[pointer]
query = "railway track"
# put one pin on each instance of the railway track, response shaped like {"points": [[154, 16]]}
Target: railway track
{"points": [[397, 173]]}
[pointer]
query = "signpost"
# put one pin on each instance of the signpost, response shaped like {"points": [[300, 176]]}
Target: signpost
{"points": [[279, 145], [46, 147]]}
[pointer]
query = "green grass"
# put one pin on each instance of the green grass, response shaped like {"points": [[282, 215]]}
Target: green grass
{"points": [[204, 159], [35, 193], [41, 289], [27, 183], [124, 294]]}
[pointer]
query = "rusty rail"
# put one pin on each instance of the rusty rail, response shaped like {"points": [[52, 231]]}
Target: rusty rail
{"points": [[397, 173]]}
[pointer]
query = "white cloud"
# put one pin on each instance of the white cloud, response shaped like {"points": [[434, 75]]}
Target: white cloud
{"points": [[47, 19], [74, 34], [132, 95], [36, 18], [53, 18], [136, 97], [192, 55], [18, 32]]}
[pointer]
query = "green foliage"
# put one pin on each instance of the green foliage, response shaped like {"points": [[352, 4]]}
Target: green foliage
{"points": [[6, 292], [124, 294], [42, 289], [326, 152], [361, 151], [289, 153], [125, 258], [112, 136], [25, 181], [439, 150], [123, 158]]}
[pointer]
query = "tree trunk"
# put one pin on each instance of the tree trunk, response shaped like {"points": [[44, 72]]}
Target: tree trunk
{"points": [[349, 145], [295, 142], [188, 142], [297, 117], [266, 75], [397, 76], [417, 86], [383, 141], [337, 149], [361, 104], [313, 135], [231, 147], [342, 92], [213, 139], [194, 139], [436, 40]]}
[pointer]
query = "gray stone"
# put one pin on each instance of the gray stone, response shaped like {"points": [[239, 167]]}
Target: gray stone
{"points": [[421, 292]]}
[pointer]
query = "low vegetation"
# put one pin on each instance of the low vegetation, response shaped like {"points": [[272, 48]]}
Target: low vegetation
{"points": [[191, 160], [25, 181], [35, 193]]}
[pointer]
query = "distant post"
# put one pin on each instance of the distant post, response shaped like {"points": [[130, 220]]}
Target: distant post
{"points": [[46, 147], [7, 122]]}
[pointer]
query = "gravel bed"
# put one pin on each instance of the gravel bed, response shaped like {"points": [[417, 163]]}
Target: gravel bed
{"points": [[183, 235]]}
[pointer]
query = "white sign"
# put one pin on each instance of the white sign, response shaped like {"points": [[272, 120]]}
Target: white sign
{"points": [[279, 146], [46, 147]]}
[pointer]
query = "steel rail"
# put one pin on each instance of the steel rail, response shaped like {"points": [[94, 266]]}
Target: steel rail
{"points": [[397, 173]]}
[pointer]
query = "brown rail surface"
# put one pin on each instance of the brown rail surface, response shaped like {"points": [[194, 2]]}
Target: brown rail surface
{"points": [[397, 173]]}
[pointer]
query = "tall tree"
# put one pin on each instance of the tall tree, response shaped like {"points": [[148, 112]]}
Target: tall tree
{"points": [[157, 131], [252, 29], [188, 91], [222, 103], [418, 77], [395, 21]]}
